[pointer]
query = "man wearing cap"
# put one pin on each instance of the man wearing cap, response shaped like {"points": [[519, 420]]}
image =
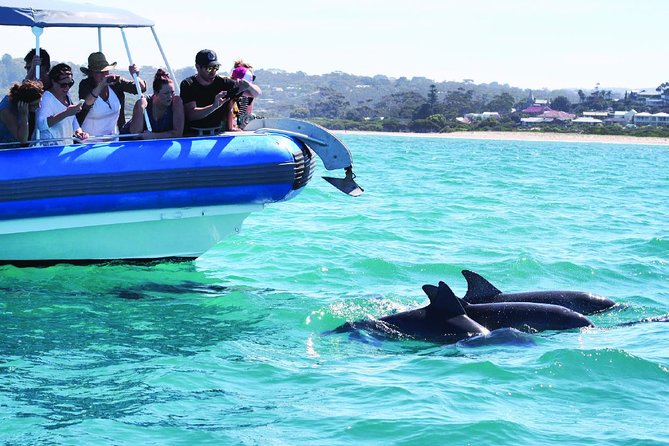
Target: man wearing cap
{"points": [[103, 93], [206, 95]]}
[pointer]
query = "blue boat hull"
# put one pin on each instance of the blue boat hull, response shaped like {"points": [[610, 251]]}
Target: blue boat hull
{"points": [[80, 194]]}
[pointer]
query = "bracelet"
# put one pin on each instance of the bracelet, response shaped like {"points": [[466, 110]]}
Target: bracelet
{"points": [[93, 95]]}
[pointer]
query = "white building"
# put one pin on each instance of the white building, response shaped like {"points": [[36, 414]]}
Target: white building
{"points": [[587, 120], [646, 118]]}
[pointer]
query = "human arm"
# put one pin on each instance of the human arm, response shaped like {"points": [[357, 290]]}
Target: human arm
{"points": [[249, 89], [194, 113], [88, 92], [19, 128], [134, 69], [32, 72], [70, 110], [129, 86], [23, 125], [232, 113], [137, 120]]}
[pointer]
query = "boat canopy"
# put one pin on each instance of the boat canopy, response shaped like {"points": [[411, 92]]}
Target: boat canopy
{"points": [[64, 14]]}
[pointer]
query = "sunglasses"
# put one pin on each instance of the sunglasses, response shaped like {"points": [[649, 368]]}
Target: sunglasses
{"points": [[66, 84], [212, 68]]}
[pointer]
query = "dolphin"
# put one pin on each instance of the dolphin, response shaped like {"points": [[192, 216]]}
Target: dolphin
{"points": [[442, 320], [480, 291], [524, 316]]}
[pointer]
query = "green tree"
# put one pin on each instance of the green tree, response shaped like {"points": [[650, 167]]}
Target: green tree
{"points": [[360, 113], [459, 102], [400, 105], [330, 104], [432, 97], [299, 113], [561, 103], [501, 103]]}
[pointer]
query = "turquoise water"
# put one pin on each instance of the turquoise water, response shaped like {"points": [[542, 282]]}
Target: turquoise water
{"points": [[228, 349]]}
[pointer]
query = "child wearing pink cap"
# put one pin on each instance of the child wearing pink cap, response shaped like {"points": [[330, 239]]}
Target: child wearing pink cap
{"points": [[242, 111]]}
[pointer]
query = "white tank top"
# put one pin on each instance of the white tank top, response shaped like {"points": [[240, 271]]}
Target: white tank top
{"points": [[103, 116]]}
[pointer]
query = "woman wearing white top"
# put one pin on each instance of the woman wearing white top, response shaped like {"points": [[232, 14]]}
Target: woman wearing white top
{"points": [[55, 115], [103, 94]]}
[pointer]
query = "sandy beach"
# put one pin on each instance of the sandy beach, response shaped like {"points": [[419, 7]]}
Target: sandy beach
{"points": [[525, 136]]}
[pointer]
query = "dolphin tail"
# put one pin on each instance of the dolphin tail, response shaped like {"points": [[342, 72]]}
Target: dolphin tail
{"points": [[479, 290]]}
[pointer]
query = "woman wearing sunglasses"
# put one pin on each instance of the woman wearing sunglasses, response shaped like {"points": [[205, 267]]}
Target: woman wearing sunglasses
{"points": [[56, 114]]}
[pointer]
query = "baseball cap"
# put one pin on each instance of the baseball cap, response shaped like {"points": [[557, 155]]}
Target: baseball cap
{"points": [[206, 58]]}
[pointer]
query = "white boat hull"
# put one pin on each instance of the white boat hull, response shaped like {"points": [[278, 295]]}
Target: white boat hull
{"points": [[138, 235]]}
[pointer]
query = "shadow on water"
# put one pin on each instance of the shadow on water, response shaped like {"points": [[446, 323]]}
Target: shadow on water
{"points": [[73, 336]]}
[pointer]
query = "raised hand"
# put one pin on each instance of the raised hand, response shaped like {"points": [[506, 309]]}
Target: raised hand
{"points": [[220, 99], [74, 109], [133, 69], [23, 108]]}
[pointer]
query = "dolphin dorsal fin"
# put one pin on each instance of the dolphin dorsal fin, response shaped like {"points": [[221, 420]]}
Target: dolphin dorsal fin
{"points": [[478, 288], [444, 300], [431, 291]]}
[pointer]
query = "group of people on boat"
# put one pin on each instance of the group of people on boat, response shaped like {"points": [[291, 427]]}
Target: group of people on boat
{"points": [[41, 108]]}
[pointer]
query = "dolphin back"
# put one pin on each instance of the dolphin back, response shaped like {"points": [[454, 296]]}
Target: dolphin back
{"points": [[480, 291], [526, 316]]}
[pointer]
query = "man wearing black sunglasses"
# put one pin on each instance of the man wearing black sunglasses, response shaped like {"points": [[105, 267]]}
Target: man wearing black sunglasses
{"points": [[206, 96]]}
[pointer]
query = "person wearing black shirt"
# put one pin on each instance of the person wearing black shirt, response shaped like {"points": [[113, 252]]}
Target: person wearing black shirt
{"points": [[206, 96]]}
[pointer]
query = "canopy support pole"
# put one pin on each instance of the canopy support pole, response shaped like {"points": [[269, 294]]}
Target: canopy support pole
{"points": [[37, 31], [136, 79]]}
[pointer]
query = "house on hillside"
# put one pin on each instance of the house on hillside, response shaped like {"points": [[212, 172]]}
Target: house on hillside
{"points": [[651, 98], [536, 109], [646, 118], [535, 120], [587, 120], [621, 117], [596, 114], [534, 106], [549, 116], [559, 115]]}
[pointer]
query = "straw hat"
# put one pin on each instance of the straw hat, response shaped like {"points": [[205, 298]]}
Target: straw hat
{"points": [[97, 62]]}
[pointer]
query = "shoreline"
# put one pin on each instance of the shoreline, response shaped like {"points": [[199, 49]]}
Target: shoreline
{"points": [[523, 136]]}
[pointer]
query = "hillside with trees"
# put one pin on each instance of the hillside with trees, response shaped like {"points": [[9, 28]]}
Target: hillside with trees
{"points": [[344, 101]]}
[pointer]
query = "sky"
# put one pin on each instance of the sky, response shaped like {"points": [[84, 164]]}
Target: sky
{"points": [[524, 43]]}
